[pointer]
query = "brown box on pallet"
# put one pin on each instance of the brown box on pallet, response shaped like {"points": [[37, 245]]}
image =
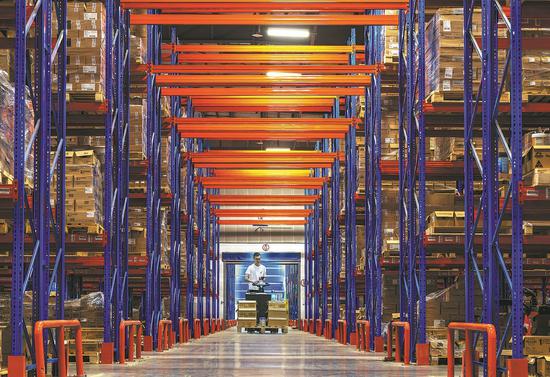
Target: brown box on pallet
{"points": [[536, 345], [137, 243], [536, 157]]}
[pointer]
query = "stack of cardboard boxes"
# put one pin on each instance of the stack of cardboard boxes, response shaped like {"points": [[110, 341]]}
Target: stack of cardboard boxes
{"points": [[445, 54], [84, 192], [86, 51], [536, 159]]}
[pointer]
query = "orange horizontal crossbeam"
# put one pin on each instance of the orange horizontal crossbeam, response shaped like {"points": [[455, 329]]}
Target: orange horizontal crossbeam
{"points": [[245, 200], [258, 135], [261, 212], [270, 49], [260, 80], [262, 222], [261, 183], [264, 6], [251, 156], [306, 58], [272, 103], [282, 122], [240, 173], [263, 68], [275, 93], [263, 19]]}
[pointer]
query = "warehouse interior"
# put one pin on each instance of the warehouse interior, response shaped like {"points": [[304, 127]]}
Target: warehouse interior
{"points": [[294, 187]]}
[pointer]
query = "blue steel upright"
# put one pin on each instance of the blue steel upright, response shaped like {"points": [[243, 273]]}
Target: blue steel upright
{"points": [[350, 204], [324, 240], [175, 188], [190, 243], [335, 217], [153, 312], [412, 176], [494, 277], [374, 42]]}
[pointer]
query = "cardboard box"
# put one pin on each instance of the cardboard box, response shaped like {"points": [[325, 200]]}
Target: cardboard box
{"points": [[536, 157], [536, 345]]}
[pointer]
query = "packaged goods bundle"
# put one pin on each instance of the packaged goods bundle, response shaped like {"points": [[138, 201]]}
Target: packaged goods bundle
{"points": [[445, 55], [84, 191], [7, 120], [138, 118], [85, 50], [536, 66]]}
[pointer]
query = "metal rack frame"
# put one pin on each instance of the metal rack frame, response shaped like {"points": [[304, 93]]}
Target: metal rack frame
{"points": [[412, 176], [374, 40], [494, 277], [153, 312], [48, 115], [116, 201]]}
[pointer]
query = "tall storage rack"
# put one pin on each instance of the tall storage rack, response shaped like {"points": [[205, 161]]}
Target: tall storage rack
{"points": [[116, 200], [38, 275]]}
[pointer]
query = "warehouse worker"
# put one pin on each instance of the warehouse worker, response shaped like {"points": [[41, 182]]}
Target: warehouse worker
{"points": [[255, 272]]}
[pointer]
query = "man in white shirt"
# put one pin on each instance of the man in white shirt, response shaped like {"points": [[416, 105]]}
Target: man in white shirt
{"points": [[255, 272]]}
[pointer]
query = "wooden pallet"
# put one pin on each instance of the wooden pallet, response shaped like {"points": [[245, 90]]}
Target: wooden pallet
{"points": [[542, 96], [85, 97], [85, 228], [137, 156], [536, 228], [456, 97], [88, 357], [264, 329], [440, 360]]}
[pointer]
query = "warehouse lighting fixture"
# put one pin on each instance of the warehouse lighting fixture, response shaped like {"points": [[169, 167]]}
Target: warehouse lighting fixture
{"points": [[282, 74], [286, 32], [277, 149]]}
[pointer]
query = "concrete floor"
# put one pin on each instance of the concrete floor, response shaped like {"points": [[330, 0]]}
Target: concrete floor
{"points": [[294, 354]]}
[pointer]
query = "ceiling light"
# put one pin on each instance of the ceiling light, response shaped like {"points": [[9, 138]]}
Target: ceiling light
{"points": [[287, 32], [277, 149], [282, 74]]}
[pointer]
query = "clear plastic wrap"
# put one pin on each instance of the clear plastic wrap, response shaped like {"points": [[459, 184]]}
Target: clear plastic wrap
{"points": [[7, 120]]}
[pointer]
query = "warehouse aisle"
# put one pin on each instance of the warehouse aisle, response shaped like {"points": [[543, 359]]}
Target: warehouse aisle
{"points": [[295, 354]]}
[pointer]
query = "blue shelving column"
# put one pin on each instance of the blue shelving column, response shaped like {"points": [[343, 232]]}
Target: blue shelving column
{"points": [[48, 114], [200, 240], [175, 188], [350, 205], [335, 227], [189, 239], [208, 258], [324, 239], [153, 312], [316, 252], [412, 177], [374, 48], [495, 277]]}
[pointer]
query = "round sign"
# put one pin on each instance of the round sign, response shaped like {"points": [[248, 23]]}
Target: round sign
{"points": [[265, 247]]}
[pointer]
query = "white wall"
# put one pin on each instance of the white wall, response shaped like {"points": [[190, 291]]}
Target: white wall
{"points": [[252, 248]]}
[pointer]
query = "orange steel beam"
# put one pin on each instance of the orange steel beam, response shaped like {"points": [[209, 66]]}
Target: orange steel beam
{"points": [[245, 157], [261, 212], [260, 6], [261, 183], [259, 80], [289, 136], [271, 49], [263, 68], [263, 19], [342, 59], [263, 108], [275, 93], [261, 173], [273, 103], [286, 200], [262, 222], [294, 122]]}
